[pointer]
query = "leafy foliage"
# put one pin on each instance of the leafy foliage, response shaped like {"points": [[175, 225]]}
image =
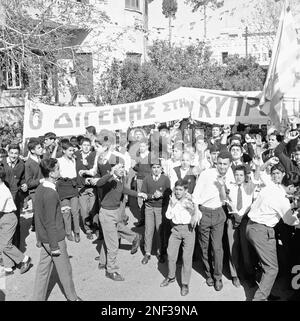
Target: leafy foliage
{"points": [[198, 4], [169, 8]]}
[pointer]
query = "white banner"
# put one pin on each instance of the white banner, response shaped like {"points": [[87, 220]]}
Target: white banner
{"points": [[211, 106]]}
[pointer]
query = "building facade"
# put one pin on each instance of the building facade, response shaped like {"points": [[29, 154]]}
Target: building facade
{"points": [[122, 34]]}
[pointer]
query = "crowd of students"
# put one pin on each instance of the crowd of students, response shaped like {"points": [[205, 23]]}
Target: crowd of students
{"points": [[194, 189]]}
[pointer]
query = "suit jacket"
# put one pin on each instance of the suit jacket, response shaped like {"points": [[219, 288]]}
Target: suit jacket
{"points": [[33, 174], [190, 177], [15, 177]]}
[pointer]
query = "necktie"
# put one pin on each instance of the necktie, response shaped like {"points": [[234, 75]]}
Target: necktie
{"points": [[239, 203]]}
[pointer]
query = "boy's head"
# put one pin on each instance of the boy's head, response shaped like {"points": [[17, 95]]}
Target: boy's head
{"points": [[68, 149], [50, 168], [240, 174], [181, 187], [34, 146], [49, 139], [13, 152]]}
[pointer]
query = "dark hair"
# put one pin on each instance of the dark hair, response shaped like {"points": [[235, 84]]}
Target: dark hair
{"points": [[3, 152], [279, 137], [291, 178], [91, 130], [224, 154], [73, 137], [279, 167], [144, 141], [155, 161], [214, 149], [14, 146], [66, 145], [236, 145], [241, 168], [64, 140], [50, 135], [182, 182], [80, 138], [85, 139], [47, 166], [33, 143], [215, 125], [2, 173]]}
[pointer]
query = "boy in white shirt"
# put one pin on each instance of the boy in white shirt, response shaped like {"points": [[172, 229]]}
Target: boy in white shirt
{"points": [[181, 212]]}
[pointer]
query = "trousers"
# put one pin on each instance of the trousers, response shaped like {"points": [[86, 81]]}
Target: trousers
{"points": [[263, 240], [44, 269], [73, 213], [211, 227], [87, 204], [153, 221], [112, 227], [181, 234], [11, 255]]}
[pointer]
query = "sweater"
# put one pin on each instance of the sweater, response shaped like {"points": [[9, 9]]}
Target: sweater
{"points": [[33, 174], [49, 223], [15, 177], [112, 191], [79, 166], [150, 186], [190, 177]]}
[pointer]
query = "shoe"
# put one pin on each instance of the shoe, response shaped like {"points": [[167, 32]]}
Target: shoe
{"points": [[236, 282], [166, 282], [77, 237], [218, 285], [25, 266], [70, 237], [161, 259], [97, 258], [89, 236], [101, 266], [184, 290], [139, 223], [146, 259], [114, 276], [135, 244], [273, 297], [210, 281]]}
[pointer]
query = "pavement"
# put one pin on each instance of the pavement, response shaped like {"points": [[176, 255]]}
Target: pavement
{"points": [[142, 282]]}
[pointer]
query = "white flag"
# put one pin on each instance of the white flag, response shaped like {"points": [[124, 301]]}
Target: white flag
{"points": [[282, 73]]}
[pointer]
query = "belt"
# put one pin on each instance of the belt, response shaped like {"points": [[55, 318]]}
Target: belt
{"points": [[211, 209], [252, 222]]}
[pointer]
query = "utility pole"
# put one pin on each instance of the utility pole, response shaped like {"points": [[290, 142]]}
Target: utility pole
{"points": [[246, 41], [205, 21]]}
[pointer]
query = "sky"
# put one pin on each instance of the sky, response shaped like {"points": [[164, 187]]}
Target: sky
{"points": [[231, 17]]}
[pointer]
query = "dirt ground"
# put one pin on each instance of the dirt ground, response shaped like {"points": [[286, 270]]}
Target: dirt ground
{"points": [[142, 282]]}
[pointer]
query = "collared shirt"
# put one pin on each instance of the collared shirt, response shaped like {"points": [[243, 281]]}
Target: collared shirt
{"points": [[10, 163], [67, 167], [174, 178], [49, 184], [271, 205], [156, 178], [248, 190], [206, 191], [35, 158], [7, 204], [168, 165], [178, 212]]}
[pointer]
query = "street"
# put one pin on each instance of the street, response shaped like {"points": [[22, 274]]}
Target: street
{"points": [[142, 282]]}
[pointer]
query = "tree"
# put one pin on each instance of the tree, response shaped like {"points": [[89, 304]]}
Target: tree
{"points": [[169, 9], [37, 35], [202, 5], [130, 82], [238, 74], [178, 62]]}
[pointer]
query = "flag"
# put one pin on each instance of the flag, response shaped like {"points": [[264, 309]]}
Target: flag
{"points": [[282, 73]]}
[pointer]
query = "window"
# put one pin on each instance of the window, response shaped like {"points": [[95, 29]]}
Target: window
{"points": [[13, 75], [134, 57], [224, 57], [132, 4]]}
